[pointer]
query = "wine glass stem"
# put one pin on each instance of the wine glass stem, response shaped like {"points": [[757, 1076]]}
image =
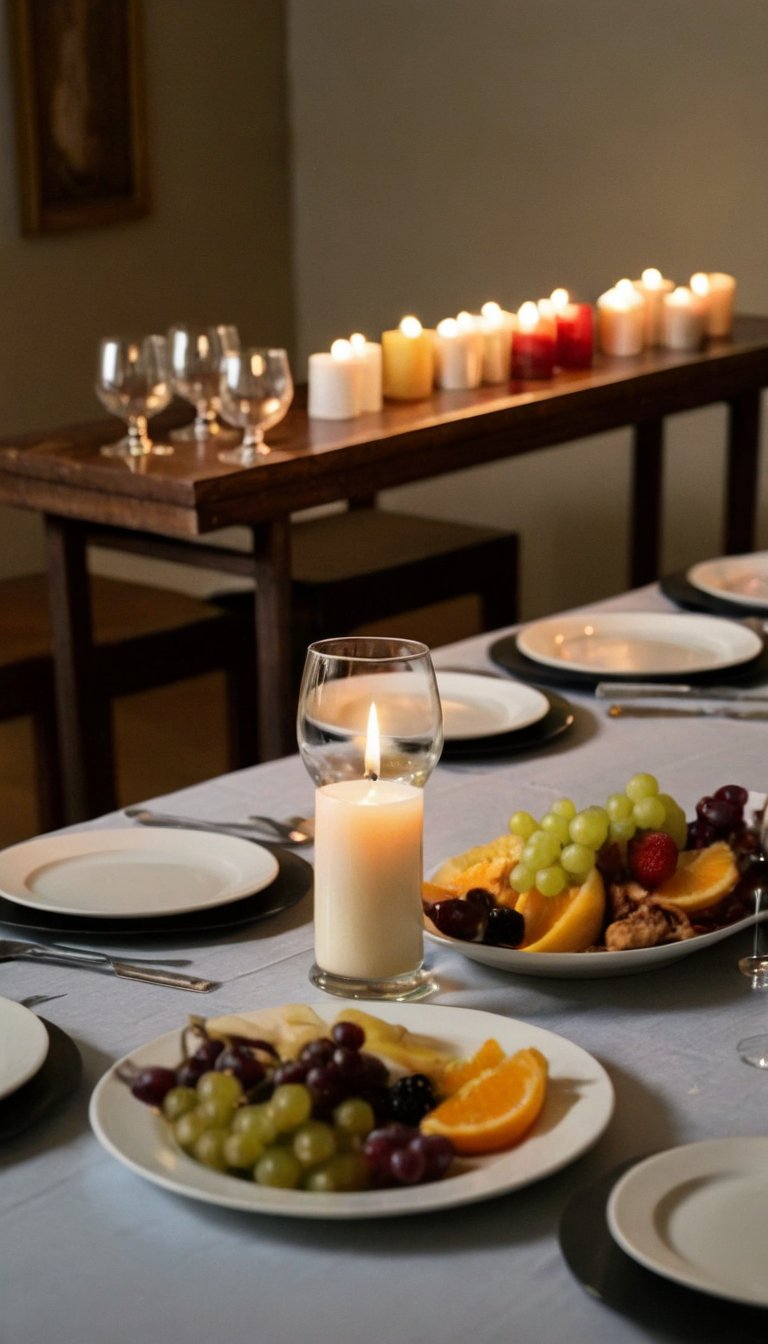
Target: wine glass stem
{"points": [[138, 438], [204, 418], [254, 439]]}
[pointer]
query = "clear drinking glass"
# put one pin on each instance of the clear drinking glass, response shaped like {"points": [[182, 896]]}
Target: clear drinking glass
{"points": [[256, 390], [370, 733], [133, 382], [195, 355]]}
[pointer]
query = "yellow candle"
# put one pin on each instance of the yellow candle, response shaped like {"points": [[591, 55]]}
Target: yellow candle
{"points": [[653, 286], [408, 361], [717, 290]]}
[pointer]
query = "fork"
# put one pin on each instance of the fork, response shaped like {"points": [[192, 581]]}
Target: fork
{"points": [[78, 956]]}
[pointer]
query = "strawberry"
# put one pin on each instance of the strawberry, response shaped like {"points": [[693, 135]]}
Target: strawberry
{"points": [[652, 859]]}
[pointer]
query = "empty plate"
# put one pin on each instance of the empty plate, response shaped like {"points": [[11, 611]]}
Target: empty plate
{"points": [[480, 706], [23, 1045], [639, 643], [742, 579]]}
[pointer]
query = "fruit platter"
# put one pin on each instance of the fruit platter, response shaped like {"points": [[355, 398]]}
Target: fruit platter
{"points": [[321, 1111], [610, 889]]}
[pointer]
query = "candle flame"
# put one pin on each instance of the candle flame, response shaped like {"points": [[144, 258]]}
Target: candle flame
{"points": [[492, 311], [625, 290], [411, 326], [448, 327], [466, 321], [546, 307], [651, 278], [341, 350], [680, 296], [358, 342], [372, 757], [528, 316], [559, 298], [700, 284]]}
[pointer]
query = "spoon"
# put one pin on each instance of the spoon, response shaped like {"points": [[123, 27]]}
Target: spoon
{"points": [[298, 829], [253, 829]]}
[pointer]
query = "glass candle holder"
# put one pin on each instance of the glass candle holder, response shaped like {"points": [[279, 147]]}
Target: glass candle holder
{"points": [[370, 733]]}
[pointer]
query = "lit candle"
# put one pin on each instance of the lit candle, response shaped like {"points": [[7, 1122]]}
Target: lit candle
{"points": [[718, 291], [683, 320], [620, 319], [368, 355], [458, 353], [575, 331], [409, 361], [533, 343], [335, 384], [368, 872], [496, 326], [652, 285]]}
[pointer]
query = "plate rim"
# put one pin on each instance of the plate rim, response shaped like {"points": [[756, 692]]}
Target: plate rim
{"points": [[36, 1047], [693, 575], [641, 1174], [131, 837], [466, 1187], [615, 618], [502, 684]]}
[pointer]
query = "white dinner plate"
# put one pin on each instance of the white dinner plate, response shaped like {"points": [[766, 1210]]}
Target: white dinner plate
{"points": [[127, 873], [699, 1215], [587, 965], [639, 643], [578, 1107], [742, 579], [477, 706], [23, 1046]]}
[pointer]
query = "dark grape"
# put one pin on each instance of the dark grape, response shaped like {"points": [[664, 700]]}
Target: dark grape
{"points": [[438, 1154], [407, 1165], [350, 1035], [380, 1144], [188, 1073], [319, 1051], [722, 815], [246, 1067], [733, 793], [481, 898], [458, 919], [350, 1063], [208, 1052], [375, 1072], [151, 1084], [327, 1088], [293, 1071], [504, 927]]}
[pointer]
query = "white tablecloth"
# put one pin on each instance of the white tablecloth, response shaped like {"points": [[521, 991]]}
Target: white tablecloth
{"points": [[90, 1252]]}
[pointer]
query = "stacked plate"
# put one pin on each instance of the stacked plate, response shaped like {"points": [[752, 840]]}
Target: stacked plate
{"points": [[731, 585], [39, 1065]]}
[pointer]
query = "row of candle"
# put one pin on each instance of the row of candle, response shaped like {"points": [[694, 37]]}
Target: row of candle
{"points": [[494, 345]]}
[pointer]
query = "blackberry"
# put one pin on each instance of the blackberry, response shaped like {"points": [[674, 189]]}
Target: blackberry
{"points": [[410, 1098]]}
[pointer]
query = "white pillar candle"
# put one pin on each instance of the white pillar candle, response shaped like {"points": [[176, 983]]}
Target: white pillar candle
{"points": [[368, 355], [458, 354], [718, 291], [496, 326], [335, 384], [652, 285], [682, 320], [620, 320]]}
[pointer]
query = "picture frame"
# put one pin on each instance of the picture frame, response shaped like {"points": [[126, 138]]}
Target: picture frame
{"points": [[80, 114]]}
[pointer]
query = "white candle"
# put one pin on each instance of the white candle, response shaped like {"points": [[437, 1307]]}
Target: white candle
{"points": [[682, 320], [368, 355], [496, 326], [458, 353], [652, 285], [335, 384], [718, 291], [620, 319], [368, 873]]}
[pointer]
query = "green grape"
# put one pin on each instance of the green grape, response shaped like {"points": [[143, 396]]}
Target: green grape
{"points": [[242, 1150], [178, 1101], [522, 878], [642, 786], [314, 1143], [188, 1129], [648, 812], [218, 1112], [209, 1149], [523, 824], [557, 826], [622, 830], [577, 859], [223, 1086], [354, 1116], [564, 807], [255, 1120], [590, 827], [550, 881], [619, 807], [279, 1167], [289, 1106], [344, 1171], [541, 850]]}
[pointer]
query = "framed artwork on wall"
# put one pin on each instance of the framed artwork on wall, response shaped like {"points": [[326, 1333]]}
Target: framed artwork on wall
{"points": [[80, 112]]}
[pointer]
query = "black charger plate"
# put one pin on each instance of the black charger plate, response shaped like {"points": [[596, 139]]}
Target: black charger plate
{"points": [[293, 881], [679, 589], [557, 720], [58, 1076]]}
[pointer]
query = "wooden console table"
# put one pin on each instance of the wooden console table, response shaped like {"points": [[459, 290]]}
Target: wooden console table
{"points": [[170, 502]]}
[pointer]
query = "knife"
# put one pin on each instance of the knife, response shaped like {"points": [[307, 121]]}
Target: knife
{"points": [[641, 690], [127, 970], [689, 712]]}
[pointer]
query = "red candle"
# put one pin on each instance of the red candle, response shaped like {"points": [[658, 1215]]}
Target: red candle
{"points": [[533, 344], [575, 332]]}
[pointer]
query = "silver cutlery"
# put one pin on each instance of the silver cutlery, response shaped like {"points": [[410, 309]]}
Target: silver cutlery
{"points": [[298, 829], [689, 712], [645, 690], [34, 1000], [127, 970], [244, 830]]}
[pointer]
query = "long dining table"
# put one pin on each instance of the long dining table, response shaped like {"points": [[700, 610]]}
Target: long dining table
{"points": [[172, 507], [92, 1252]]}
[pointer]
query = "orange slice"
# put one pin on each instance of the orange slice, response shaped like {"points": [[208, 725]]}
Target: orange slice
{"points": [[495, 1109], [570, 922], [486, 866], [703, 877], [460, 1071]]}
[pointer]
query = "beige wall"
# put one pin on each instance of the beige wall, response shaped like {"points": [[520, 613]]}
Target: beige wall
{"points": [[451, 151], [215, 247]]}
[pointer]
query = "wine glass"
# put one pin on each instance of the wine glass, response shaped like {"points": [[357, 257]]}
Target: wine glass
{"points": [[754, 1049], [256, 390], [370, 733], [195, 355], [133, 382]]}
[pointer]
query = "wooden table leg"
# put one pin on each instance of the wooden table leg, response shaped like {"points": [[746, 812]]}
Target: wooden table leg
{"points": [[742, 472], [647, 465], [82, 706], [275, 690]]}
